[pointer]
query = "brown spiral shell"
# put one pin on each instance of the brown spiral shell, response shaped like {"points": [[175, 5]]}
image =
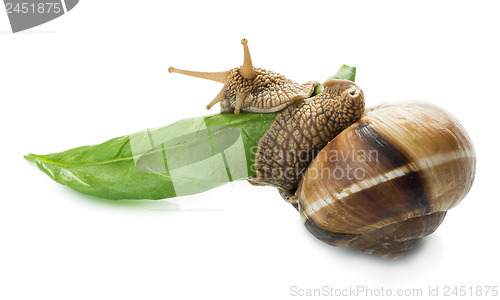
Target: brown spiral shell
{"points": [[388, 180]]}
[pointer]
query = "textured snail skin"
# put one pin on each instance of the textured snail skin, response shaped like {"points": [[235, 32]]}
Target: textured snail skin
{"points": [[302, 129], [388, 180], [267, 92]]}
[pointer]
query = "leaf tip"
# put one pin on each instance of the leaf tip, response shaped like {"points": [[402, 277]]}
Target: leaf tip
{"points": [[31, 157], [318, 90], [345, 72]]}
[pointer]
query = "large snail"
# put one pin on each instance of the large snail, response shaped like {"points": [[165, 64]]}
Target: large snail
{"points": [[379, 180]]}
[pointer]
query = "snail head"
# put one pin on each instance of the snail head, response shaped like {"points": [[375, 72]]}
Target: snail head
{"points": [[250, 89]]}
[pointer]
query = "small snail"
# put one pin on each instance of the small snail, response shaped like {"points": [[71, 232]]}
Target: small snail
{"points": [[376, 181], [251, 89]]}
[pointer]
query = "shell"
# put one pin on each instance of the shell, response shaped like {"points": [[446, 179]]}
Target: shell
{"points": [[388, 180]]}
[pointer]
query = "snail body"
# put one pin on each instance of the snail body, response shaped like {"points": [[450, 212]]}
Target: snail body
{"points": [[388, 180]]}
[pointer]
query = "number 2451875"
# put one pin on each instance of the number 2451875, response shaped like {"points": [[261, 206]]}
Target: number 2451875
{"points": [[33, 8]]}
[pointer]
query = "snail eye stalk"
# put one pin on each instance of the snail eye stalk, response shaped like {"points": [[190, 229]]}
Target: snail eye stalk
{"points": [[213, 76], [246, 69]]}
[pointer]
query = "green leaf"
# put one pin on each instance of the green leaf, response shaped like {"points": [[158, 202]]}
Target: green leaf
{"points": [[345, 72], [183, 158], [186, 157]]}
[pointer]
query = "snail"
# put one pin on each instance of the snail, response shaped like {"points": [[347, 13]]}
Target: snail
{"points": [[250, 89], [376, 181]]}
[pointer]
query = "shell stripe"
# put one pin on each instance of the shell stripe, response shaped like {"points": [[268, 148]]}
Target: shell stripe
{"points": [[415, 197], [401, 171], [404, 174], [392, 156], [357, 187]]}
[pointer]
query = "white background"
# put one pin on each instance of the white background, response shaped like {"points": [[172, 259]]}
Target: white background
{"points": [[101, 71]]}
